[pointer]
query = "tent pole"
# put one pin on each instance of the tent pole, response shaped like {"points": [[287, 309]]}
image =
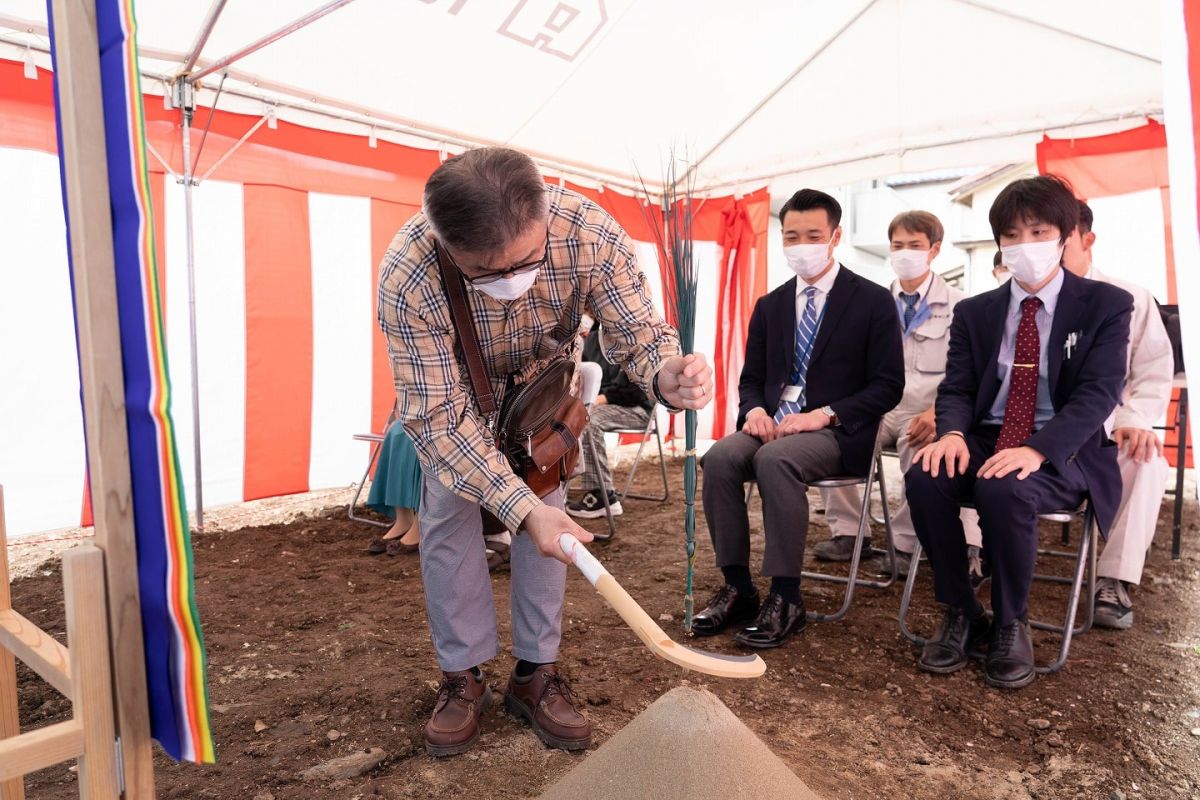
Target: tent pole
{"points": [[202, 37], [274, 36], [186, 102]]}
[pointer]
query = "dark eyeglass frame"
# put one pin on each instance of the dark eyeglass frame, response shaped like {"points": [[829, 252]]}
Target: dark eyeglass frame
{"points": [[519, 269]]}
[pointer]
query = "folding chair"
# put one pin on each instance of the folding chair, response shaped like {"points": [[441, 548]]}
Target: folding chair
{"points": [[1085, 563], [376, 440], [874, 474], [652, 428]]}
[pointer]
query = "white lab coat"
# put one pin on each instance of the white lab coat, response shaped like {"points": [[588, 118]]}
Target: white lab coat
{"points": [[1144, 402], [924, 367]]}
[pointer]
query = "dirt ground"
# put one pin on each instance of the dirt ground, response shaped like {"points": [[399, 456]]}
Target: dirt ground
{"points": [[317, 650]]}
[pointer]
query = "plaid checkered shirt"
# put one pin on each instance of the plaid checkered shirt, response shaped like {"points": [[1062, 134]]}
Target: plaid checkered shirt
{"points": [[591, 267]]}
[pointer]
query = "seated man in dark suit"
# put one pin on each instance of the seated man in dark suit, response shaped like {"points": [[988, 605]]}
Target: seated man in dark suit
{"points": [[1034, 369], [823, 364]]}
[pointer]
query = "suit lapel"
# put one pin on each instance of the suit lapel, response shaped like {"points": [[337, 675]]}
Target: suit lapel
{"points": [[785, 337], [835, 308], [994, 319], [1066, 316]]}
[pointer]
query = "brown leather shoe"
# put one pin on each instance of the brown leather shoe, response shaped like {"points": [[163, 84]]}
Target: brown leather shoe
{"points": [[454, 727], [545, 699]]}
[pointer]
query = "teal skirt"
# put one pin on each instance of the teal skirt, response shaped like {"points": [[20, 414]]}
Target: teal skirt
{"points": [[397, 481]]}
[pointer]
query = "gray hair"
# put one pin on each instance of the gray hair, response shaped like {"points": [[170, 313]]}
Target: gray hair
{"points": [[482, 200]]}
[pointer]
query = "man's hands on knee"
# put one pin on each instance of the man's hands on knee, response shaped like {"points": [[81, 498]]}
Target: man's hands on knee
{"points": [[1023, 460], [803, 423], [545, 524], [950, 451], [1141, 445], [761, 425]]}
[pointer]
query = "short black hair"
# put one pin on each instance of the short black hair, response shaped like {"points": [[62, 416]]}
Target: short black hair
{"points": [[808, 199], [997, 260], [1085, 218], [1046, 198], [482, 200]]}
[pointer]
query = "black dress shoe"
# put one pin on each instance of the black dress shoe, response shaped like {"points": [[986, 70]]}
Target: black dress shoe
{"points": [[1009, 662], [959, 635], [726, 607], [777, 620]]}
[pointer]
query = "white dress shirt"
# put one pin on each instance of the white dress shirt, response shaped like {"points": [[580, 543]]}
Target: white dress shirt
{"points": [[1048, 294]]}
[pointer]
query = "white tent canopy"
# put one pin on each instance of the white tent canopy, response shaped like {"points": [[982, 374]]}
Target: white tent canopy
{"points": [[601, 89]]}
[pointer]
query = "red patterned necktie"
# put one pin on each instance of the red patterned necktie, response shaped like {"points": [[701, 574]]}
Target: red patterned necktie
{"points": [[1023, 384]]}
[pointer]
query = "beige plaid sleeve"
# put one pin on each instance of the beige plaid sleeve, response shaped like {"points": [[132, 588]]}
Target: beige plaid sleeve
{"points": [[634, 334]]}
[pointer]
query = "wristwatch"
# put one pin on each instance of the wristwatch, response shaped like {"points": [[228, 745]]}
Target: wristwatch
{"points": [[829, 412]]}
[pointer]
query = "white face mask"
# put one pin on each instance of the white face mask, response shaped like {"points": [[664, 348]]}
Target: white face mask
{"points": [[807, 260], [909, 264], [1031, 262], [509, 288]]}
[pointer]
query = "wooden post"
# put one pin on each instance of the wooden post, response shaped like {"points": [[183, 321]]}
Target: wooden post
{"points": [[87, 626], [10, 719], [85, 171]]}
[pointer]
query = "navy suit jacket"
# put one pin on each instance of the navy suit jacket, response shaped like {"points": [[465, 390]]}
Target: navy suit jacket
{"points": [[856, 366], [1084, 388]]}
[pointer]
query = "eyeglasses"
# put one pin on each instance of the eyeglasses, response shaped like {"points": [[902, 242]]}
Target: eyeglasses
{"points": [[519, 269]]}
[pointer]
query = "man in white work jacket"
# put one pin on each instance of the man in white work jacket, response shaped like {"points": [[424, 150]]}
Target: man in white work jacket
{"points": [[1143, 468], [924, 304]]}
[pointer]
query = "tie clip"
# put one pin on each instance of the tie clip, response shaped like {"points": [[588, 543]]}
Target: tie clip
{"points": [[1024, 365]]}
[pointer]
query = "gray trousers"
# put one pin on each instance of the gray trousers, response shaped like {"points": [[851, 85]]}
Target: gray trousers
{"points": [[596, 474], [458, 588], [783, 469]]}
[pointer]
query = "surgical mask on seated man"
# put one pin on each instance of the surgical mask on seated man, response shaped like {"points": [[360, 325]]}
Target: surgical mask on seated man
{"points": [[807, 260], [909, 264], [1031, 262]]}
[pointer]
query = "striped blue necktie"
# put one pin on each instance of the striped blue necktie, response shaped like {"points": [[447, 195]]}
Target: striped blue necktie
{"points": [[806, 332], [910, 307]]}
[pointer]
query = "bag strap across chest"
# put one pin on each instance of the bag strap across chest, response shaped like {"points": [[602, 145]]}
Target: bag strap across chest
{"points": [[460, 313]]}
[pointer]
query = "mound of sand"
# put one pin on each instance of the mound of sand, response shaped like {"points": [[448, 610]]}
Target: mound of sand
{"points": [[687, 744]]}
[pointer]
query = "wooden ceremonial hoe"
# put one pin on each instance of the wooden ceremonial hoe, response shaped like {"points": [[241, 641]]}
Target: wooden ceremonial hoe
{"points": [[648, 630]]}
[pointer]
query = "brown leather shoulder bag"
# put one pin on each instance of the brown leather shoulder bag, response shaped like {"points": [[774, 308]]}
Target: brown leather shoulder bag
{"points": [[540, 422]]}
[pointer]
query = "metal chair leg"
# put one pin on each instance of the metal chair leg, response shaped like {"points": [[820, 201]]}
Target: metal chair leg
{"points": [[906, 598], [652, 425], [595, 456], [1067, 629], [1181, 437], [852, 580], [358, 491]]}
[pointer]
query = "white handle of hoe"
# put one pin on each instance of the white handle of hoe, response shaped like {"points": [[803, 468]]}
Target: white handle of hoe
{"points": [[580, 557]]}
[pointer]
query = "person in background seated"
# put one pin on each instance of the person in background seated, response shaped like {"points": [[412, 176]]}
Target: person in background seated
{"points": [[396, 493], [620, 404], [924, 303], [1151, 368], [999, 271], [823, 364], [1034, 369]]}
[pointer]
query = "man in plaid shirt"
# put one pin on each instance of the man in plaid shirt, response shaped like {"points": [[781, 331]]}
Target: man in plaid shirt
{"points": [[534, 258]]}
